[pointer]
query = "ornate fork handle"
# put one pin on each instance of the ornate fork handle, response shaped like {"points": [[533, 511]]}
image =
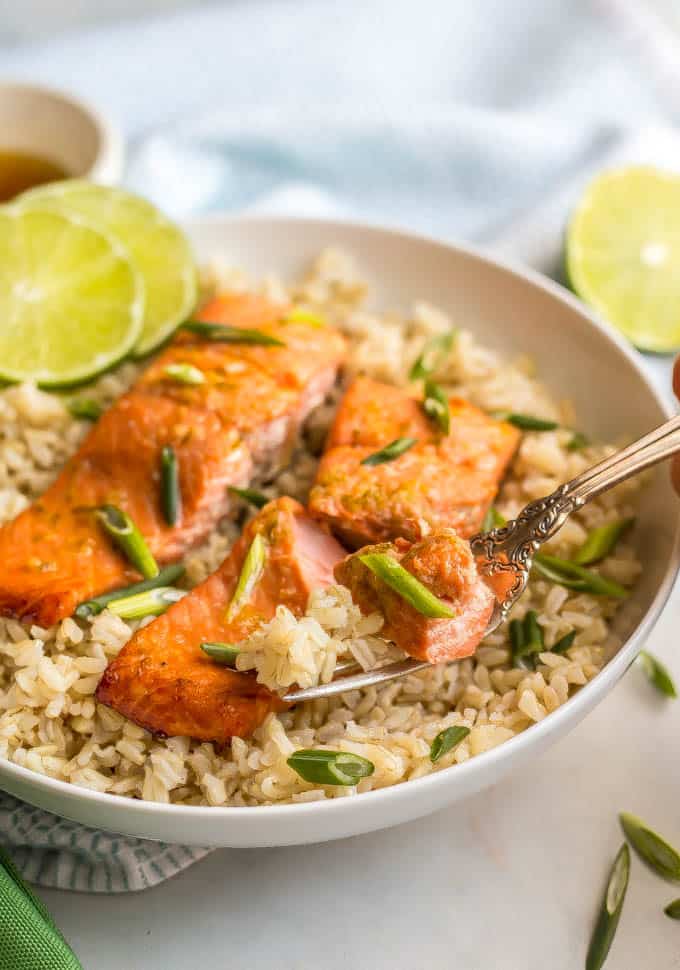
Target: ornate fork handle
{"points": [[512, 547]]}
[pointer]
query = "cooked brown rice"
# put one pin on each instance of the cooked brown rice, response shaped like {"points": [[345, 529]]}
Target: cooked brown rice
{"points": [[50, 722]]}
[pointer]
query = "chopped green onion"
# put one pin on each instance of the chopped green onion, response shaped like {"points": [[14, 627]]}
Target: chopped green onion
{"points": [[330, 767], [85, 408], [300, 315], [436, 406], [223, 653], [533, 633], [433, 355], [610, 910], [526, 422], [223, 333], [601, 541], [517, 640], [526, 640], [250, 495], [493, 520], [390, 452], [151, 603], [446, 740], [657, 674], [185, 374], [171, 496], [564, 642], [673, 909], [166, 577], [251, 571], [406, 585], [129, 539], [651, 848], [573, 576], [578, 441]]}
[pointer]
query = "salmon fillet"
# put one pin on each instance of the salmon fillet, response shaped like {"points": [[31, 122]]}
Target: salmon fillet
{"points": [[239, 424], [442, 481], [163, 681], [444, 564]]}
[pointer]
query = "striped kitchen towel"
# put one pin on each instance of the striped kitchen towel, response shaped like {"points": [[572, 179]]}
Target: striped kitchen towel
{"points": [[51, 851]]}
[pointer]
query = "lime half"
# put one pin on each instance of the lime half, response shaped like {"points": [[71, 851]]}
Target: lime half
{"points": [[623, 254], [71, 302], [158, 248]]}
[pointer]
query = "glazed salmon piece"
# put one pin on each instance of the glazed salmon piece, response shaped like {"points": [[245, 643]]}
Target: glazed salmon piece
{"points": [[442, 481], [444, 564], [163, 681], [239, 424]]}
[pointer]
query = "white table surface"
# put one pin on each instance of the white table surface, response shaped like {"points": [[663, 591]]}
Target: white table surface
{"points": [[509, 880]]}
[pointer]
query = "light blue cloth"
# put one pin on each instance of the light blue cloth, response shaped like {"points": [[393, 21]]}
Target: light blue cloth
{"points": [[462, 118]]}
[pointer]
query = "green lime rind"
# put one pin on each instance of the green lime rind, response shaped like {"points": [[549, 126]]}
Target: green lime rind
{"points": [[622, 254], [71, 299], [157, 247]]}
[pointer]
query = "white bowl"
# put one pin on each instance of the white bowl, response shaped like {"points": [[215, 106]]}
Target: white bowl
{"points": [[65, 130], [509, 308]]}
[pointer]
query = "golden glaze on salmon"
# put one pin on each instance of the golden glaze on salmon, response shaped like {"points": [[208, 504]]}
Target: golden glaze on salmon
{"points": [[162, 680], [444, 564], [240, 424], [442, 481]]}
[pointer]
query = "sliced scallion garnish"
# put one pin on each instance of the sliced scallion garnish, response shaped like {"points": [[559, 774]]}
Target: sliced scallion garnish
{"points": [[446, 740], [129, 539], [252, 568], [673, 909], [526, 640], [601, 541], [250, 495], [610, 910], [657, 674], [578, 441], [223, 653], [526, 422], [171, 497], [406, 585], [151, 603], [564, 642], [432, 356], [185, 374], [651, 847], [166, 577], [436, 406], [391, 451], [223, 333], [573, 576], [301, 315], [85, 409], [493, 520], [517, 640], [330, 767]]}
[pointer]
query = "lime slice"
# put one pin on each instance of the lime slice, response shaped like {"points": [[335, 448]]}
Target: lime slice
{"points": [[623, 254], [71, 302], [158, 248]]}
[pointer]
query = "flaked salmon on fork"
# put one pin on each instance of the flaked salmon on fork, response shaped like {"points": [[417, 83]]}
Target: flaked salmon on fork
{"points": [[162, 679], [238, 423]]}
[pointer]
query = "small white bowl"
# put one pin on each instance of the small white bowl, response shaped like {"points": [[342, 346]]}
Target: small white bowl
{"points": [[516, 311], [60, 128]]}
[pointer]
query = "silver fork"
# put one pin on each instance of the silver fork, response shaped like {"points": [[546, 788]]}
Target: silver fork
{"points": [[513, 547]]}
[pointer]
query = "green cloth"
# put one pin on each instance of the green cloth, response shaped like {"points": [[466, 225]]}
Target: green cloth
{"points": [[29, 940]]}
